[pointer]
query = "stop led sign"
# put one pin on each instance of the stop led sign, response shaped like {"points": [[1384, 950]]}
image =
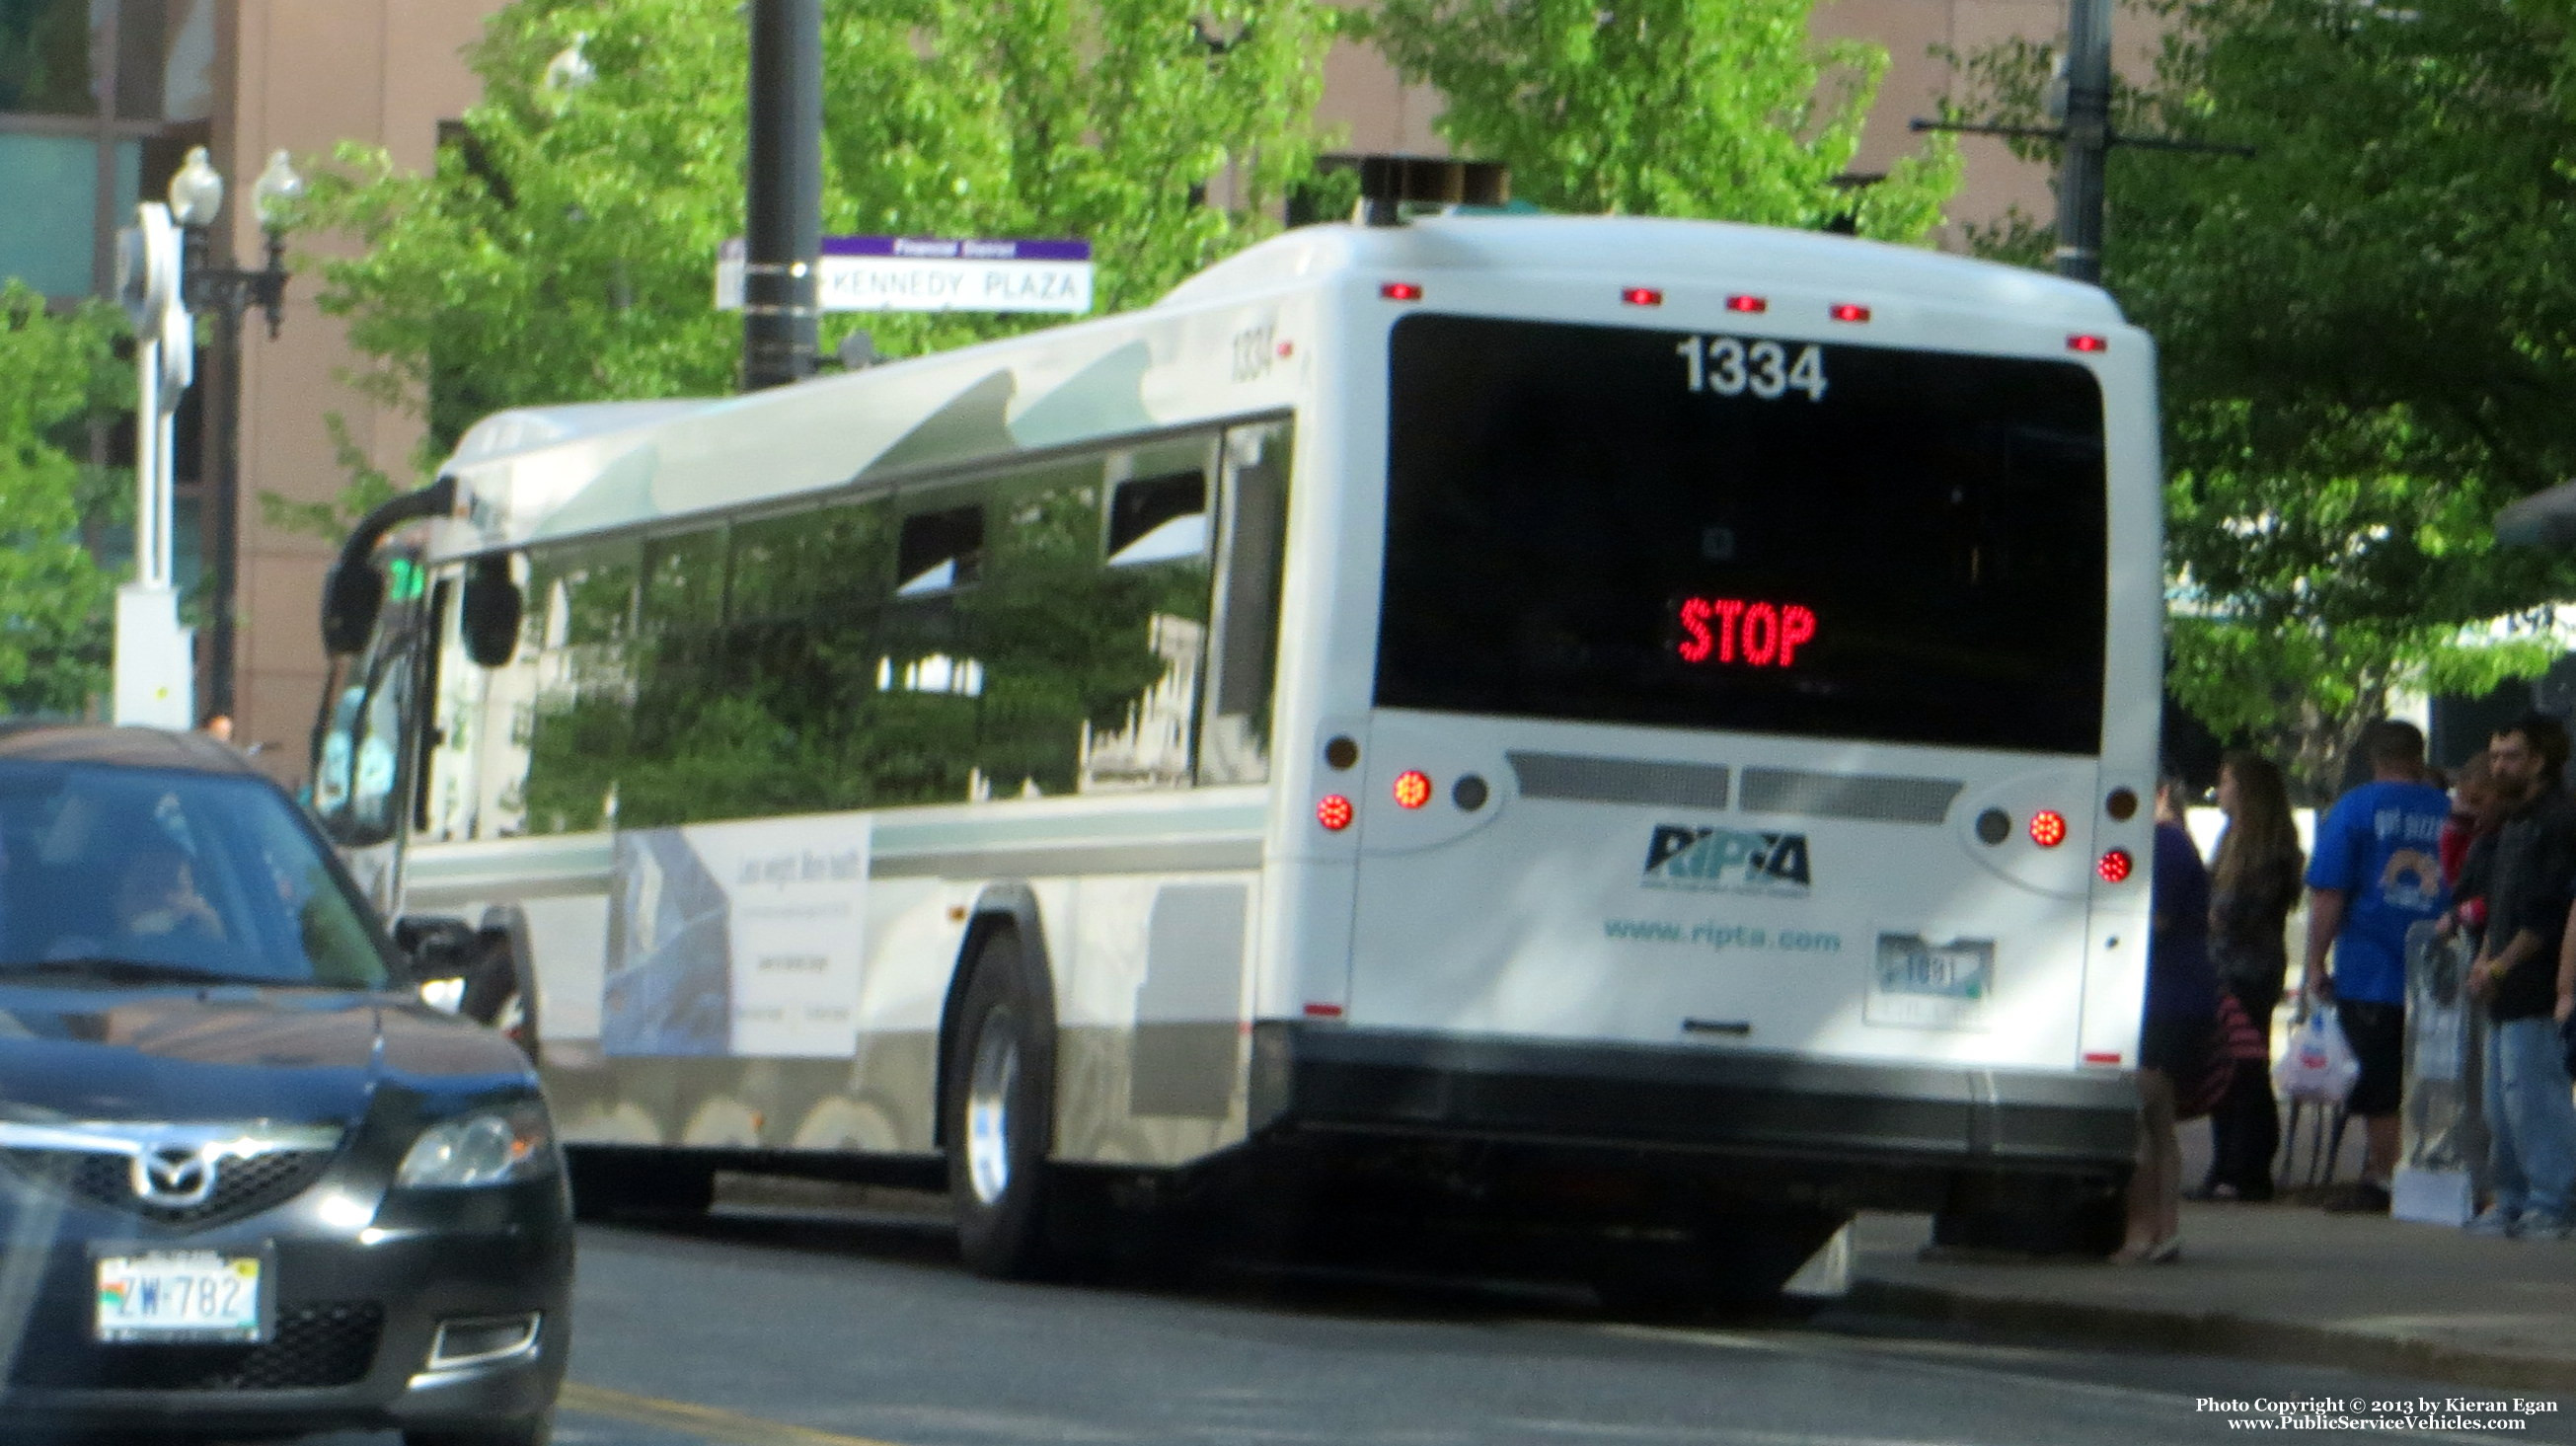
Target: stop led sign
{"points": [[1746, 632]]}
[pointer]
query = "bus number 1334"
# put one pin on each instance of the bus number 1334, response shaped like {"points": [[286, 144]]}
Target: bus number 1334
{"points": [[1731, 366]]}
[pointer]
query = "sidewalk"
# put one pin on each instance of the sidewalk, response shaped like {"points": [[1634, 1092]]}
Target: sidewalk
{"points": [[2282, 1283]]}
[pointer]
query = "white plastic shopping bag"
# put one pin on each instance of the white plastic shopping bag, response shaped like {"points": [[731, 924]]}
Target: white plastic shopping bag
{"points": [[2319, 1064]]}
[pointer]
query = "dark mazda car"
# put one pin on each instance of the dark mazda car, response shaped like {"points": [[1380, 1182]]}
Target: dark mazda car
{"points": [[250, 1184]]}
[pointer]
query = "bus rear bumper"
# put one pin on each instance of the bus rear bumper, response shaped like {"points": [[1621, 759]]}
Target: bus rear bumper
{"points": [[1872, 1135]]}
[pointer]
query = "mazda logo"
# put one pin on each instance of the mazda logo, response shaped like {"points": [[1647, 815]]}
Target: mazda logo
{"points": [[175, 1174]]}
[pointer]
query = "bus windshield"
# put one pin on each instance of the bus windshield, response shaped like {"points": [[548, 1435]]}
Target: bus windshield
{"points": [[1619, 525]]}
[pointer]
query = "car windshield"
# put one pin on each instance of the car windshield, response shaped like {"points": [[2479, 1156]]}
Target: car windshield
{"points": [[136, 874]]}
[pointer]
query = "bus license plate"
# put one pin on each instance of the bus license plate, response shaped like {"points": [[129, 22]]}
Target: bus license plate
{"points": [[194, 1296], [1960, 969], [1920, 984]]}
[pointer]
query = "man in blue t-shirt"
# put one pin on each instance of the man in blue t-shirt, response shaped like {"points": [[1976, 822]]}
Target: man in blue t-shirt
{"points": [[2376, 873]]}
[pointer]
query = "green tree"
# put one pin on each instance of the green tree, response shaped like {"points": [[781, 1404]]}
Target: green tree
{"points": [[566, 251], [2368, 332], [56, 372], [1724, 109]]}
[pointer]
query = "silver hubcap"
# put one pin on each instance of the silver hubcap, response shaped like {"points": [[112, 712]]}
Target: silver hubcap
{"points": [[988, 1109]]}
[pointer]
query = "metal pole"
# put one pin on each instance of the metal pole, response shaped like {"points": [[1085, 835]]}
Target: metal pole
{"points": [[222, 501], [783, 231], [2088, 139], [147, 458]]}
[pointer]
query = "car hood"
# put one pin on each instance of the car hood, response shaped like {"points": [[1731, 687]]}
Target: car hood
{"points": [[230, 1053]]}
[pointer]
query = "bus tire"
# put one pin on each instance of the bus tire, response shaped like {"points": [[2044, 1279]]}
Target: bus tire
{"points": [[1000, 1104]]}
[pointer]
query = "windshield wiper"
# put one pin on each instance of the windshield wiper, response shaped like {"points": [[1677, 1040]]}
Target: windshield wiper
{"points": [[126, 971]]}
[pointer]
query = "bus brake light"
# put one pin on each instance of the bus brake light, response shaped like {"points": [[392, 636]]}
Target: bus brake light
{"points": [[2048, 828], [1400, 291], [2114, 866], [2087, 343], [1642, 296], [1334, 813], [1747, 303], [1845, 311], [1412, 788]]}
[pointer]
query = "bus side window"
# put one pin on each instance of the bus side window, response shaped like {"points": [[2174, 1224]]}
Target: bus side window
{"points": [[1149, 590], [376, 766], [1234, 743], [581, 607], [339, 750], [938, 551]]}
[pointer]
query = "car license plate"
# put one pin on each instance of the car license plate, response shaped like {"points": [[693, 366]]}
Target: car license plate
{"points": [[193, 1296], [1920, 983]]}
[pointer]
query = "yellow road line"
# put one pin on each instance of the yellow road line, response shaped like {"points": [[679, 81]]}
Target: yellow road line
{"points": [[729, 1427]]}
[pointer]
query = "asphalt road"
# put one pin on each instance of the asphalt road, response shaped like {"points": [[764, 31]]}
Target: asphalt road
{"points": [[780, 1328]]}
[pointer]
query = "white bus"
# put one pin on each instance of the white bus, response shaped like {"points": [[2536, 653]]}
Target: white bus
{"points": [[1620, 720]]}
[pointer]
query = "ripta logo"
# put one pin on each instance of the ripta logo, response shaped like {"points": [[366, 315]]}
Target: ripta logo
{"points": [[1682, 857]]}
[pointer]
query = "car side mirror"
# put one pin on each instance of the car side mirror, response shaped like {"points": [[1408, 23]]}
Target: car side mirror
{"points": [[438, 947], [490, 613]]}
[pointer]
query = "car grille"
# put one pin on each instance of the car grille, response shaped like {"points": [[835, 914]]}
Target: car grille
{"points": [[242, 1187], [314, 1346]]}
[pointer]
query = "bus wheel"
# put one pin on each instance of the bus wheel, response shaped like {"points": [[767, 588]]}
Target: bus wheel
{"points": [[999, 1102]]}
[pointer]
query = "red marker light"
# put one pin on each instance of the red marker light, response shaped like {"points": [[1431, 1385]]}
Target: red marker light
{"points": [[1335, 812], [1845, 311], [1323, 1011], [1400, 291], [1747, 303], [2048, 828], [2087, 343], [2114, 867], [1412, 788], [2102, 1056], [1642, 296]]}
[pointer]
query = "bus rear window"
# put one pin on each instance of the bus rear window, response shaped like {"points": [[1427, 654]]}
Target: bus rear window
{"points": [[1698, 530]]}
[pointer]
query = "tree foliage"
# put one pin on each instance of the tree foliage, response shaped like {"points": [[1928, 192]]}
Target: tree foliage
{"points": [[1723, 109], [565, 251], [2368, 334], [56, 371]]}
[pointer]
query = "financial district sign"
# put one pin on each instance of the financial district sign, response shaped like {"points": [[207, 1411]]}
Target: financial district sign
{"points": [[924, 273]]}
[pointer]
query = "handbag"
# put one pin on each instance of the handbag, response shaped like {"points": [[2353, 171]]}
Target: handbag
{"points": [[2233, 1043], [2319, 1064]]}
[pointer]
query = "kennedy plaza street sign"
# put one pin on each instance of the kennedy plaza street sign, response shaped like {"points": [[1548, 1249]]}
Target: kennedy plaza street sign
{"points": [[922, 273]]}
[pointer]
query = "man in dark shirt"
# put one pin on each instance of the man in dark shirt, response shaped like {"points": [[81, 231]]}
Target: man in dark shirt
{"points": [[2530, 1121]]}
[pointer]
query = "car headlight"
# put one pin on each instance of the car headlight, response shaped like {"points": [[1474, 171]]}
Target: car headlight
{"points": [[488, 1147]]}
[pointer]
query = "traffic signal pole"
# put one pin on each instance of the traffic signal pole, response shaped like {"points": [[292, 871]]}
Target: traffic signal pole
{"points": [[2088, 140], [783, 222], [2084, 139]]}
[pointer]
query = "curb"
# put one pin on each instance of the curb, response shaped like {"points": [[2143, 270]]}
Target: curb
{"points": [[2218, 1333]]}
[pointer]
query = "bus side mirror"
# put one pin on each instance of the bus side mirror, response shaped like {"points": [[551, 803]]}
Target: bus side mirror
{"points": [[353, 592], [351, 597], [491, 611]]}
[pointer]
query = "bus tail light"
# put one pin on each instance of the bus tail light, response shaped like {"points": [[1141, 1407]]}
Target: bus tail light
{"points": [[1412, 788], [2087, 343], [2114, 867], [1400, 291], [1642, 296], [1845, 311], [1335, 812], [1747, 304], [2048, 828]]}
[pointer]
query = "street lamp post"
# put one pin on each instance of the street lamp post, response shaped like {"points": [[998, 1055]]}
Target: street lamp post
{"points": [[196, 196]]}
